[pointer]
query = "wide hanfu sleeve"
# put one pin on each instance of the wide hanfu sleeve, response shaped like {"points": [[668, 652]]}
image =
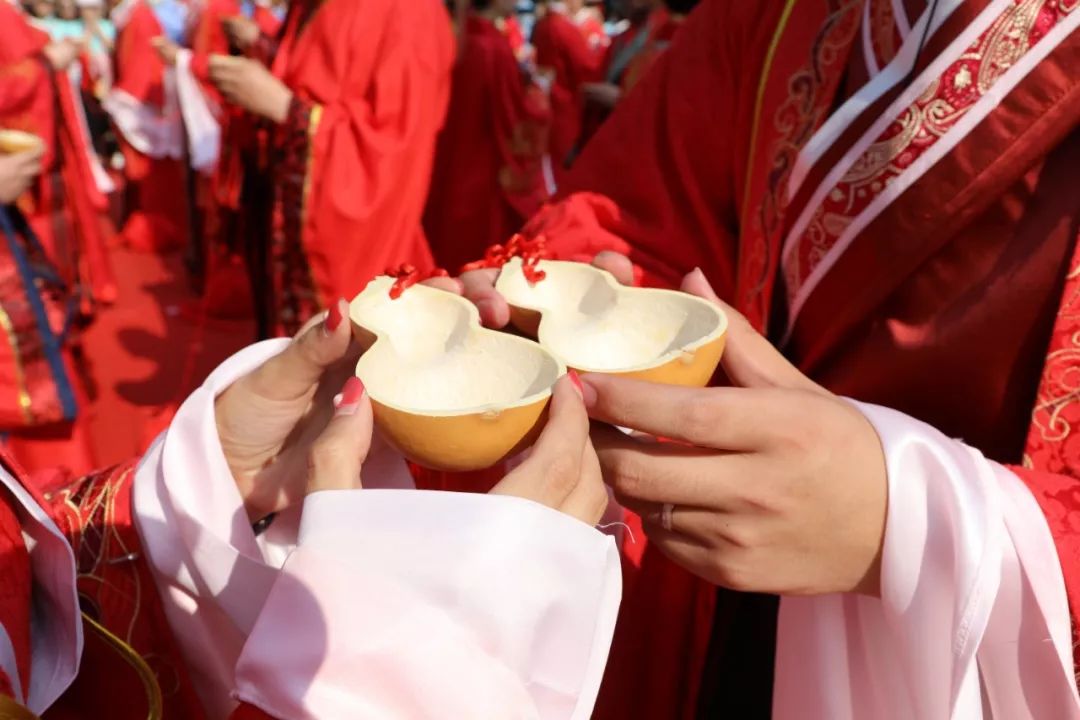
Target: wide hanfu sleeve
{"points": [[376, 602], [973, 617]]}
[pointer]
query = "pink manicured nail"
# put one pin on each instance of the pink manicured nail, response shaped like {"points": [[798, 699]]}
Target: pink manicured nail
{"points": [[348, 401], [333, 317], [585, 390]]}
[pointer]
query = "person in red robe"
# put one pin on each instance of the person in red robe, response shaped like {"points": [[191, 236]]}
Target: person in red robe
{"points": [[645, 17], [511, 30], [225, 27], [353, 142], [563, 56], [67, 207], [144, 109], [128, 594], [65, 213], [590, 21], [659, 40], [488, 174], [883, 195]]}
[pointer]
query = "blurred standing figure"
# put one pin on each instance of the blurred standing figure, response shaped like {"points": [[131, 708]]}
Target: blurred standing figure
{"points": [[146, 113], [645, 17], [488, 176], [356, 96], [68, 204], [63, 207], [563, 55], [226, 27]]}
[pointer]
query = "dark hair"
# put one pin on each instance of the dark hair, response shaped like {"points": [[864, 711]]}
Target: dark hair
{"points": [[481, 5], [680, 7]]}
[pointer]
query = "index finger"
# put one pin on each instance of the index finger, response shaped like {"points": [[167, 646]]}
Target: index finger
{"points": [[724, 418]]}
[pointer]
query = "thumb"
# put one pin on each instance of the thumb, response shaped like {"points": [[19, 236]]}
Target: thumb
{"points": [[336, 456], [749, 359], [298, 368]]}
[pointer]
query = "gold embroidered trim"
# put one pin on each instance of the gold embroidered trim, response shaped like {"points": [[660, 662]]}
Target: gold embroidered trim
{"points": [[313, 127], [759, 101], [20, 374], [128, 654]]}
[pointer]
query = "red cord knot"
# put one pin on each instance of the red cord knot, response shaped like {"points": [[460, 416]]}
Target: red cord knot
{"points": [[531, 252], [407, 275]]}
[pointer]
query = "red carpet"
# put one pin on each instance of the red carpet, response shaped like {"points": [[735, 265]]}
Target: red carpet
{"points": [[144, 354]]}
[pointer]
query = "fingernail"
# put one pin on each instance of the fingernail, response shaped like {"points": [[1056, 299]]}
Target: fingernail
{"points": [[333, 317], [585, 390], [348, 400]]}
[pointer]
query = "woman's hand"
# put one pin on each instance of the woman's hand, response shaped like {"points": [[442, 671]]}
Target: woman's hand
{"points": [[269, 419], [774, 485], [17, 173], [562, 470], [248, 84]]}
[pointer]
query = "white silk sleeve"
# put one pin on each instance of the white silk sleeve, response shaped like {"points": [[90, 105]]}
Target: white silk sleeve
{"points": [[200, 116], [406, 603], [434, 605], [972, 621]]}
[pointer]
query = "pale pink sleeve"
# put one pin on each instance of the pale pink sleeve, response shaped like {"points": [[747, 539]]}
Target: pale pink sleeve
{"points": [[375, 602], [972, 616], [414, 604]]}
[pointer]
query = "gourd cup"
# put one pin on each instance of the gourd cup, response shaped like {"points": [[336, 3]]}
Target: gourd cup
{"points": [[446, 392], [591, 323]]}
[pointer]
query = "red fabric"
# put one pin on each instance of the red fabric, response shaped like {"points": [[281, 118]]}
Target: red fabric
{"points": [[16, 582], [66, 208], [268, 22], [226, 289], [487, 177], [515, 36], [943, 315], [249, 712], [660, 39], [562, 52], [158, 218], [117, 590], [591, 28], [377, 75]]}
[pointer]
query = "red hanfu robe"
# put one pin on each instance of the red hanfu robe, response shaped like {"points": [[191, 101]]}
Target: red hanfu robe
{"points": [[66, 208], [158, 211], [562, 54], [488, 176], [226, 287], [371, 82], [940, 305]]}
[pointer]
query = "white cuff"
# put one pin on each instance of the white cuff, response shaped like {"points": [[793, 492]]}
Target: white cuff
{"points": [[971, 614]]}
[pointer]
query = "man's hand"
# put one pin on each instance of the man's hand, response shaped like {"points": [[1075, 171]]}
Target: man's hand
{"points": [[774, 485], [241, 31], [17, 173], [167, 49], [249, 85], [62, 53]]}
